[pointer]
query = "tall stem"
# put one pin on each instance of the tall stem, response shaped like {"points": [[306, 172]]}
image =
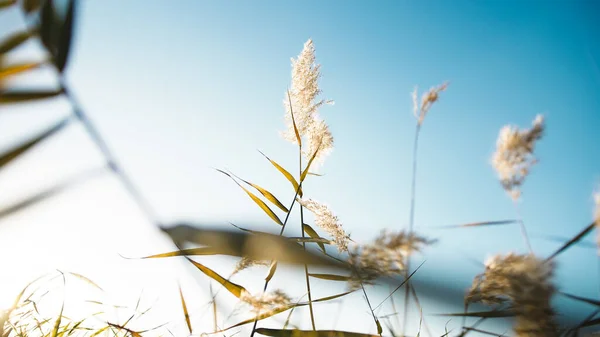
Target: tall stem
{"points": [[310, 306], [411, 221], [113, 164], [287, 216], [522, 225]]}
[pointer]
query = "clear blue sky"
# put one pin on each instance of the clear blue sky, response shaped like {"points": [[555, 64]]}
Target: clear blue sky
{"points": [[179, 88]]}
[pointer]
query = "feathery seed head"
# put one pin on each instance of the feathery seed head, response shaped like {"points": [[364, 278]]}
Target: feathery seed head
{"points": [[266, 302], [427, 100], [524, 282], [303, 104], [330, 223], [247, 262], [514, 155], [385, 256]]}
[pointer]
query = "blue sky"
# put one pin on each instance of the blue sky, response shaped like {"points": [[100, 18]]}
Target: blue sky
{"points": [[178, 89]]}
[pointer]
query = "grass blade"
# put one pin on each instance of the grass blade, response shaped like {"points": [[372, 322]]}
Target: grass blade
{"points": [[86, 280], [185, 252], [268, 195], [7, 3], [17, 69], [257, 200], [305, 172], [481, 224], [13, 41], [313, 234], [483, 314], [272, 270], [185, 311], [133, 333], [330, 277], [286, 174], [581, 299], [15, 96], [31, 5], [262, 316], [400, 286], [310, 333], [574, 240], [233, 288], [294, 120], [45, 194], [66, 37], [12, 154]]}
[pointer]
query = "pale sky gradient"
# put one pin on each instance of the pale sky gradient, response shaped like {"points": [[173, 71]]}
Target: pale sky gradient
{"points": [[180, 88]]}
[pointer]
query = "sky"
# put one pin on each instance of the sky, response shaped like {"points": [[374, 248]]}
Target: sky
{"points": [[178, 89]]}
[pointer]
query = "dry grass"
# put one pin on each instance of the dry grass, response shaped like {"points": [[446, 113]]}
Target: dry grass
{"points": [[519, 286]]}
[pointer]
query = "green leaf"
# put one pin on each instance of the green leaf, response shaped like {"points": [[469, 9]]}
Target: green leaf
{"points": [[268, 195], [257, 200], [310, 333], [574, 240], [330, 277], [66, 37], [7, 3], [233, 288], [14, 40], [313, 234], [379, 328], [286, 174], [17, 69], [15, 96], [8, 156]]}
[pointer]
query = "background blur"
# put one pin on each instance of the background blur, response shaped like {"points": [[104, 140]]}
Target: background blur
{"points": [[180, 88]]}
